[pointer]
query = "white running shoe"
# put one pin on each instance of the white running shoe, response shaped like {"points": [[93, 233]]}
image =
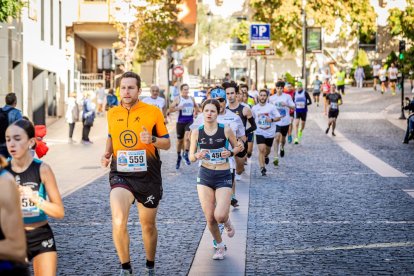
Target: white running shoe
{"points": [[125, 272], [238, 177], [220, 253], [229, 228]]}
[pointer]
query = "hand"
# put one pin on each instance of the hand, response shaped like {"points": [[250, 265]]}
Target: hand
{"points": [[240, 145], [145, 136], [105, 160], [268, 120], [200, 155], [27, 192], [179, 107], [283, 104], [225, 154]]}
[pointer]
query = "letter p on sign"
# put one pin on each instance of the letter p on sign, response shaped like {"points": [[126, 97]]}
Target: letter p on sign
{"points": [[262, 30]]}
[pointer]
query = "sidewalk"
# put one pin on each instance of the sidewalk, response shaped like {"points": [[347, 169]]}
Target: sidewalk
{"points": [[75, 165]]}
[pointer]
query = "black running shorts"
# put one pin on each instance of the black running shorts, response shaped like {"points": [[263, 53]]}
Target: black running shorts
{"points": [[182, 128], [40, 240], [260, 139], [301, 115], [333, 113], [282, 130], [214, 179]]}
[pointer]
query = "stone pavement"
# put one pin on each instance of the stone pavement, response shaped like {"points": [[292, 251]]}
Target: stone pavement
{"points": [[320, 212]]}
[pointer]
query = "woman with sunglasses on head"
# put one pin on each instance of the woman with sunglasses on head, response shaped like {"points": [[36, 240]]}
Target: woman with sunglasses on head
{"points": [[39, 195], [210, 145]]}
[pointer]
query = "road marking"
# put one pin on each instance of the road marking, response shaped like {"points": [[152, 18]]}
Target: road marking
{"points": [[366, 158], [346, 247]]}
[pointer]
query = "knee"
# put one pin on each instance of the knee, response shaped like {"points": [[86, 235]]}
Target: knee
{"points": [[149, 227], [221, 217], [119, 222]]}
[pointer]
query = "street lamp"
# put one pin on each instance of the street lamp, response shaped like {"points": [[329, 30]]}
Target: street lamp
{"points": [[304, 44], [209, 16]]}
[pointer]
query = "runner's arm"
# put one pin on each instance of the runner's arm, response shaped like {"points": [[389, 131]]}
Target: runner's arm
{"points": [[232, 139], [174, 105], [251, 120], [54, 206], [196, 107], [308, 98], [13, 247], [193, 145]]}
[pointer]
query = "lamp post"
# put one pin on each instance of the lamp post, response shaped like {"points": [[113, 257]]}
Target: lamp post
{"points": [[304, 44], [209, 16]]}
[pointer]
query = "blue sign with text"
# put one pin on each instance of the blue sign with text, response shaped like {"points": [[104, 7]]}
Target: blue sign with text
{"points": [[260, 34]]}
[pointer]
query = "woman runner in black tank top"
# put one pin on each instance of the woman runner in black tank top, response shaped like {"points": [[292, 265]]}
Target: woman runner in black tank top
{"points": [[214, 180], [12, 238]]}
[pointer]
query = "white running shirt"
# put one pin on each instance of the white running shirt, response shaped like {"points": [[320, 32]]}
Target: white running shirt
{"points": [[277, 101], [158, 102], [260, 113]]}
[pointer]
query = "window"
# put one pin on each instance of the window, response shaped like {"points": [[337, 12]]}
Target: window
{"points": [[42, 20], [51, 22]]}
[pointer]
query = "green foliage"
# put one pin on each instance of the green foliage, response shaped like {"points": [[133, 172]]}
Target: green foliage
{"points": [[286, 20], [402, 22], [391, 58], [290, 78], [10, 8], [151, 33], [241, 31], [217, 31], [361, 59]]}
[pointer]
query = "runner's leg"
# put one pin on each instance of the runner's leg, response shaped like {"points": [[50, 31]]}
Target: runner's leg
{"points": [[147, 218], [45, 264]]}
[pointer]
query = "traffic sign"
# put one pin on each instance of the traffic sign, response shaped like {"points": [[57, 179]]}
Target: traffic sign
{"points": [[178, 71], [259, 34], [263, 52]]}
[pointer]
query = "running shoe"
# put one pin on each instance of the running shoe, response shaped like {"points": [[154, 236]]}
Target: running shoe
{"points": [[187, 161], [282, 152], [263, 171], [333, 133], [149, 271], [276, 161], [234, 202], [229, 228], [238, 177], [296, 141], [266, 160], [393, 93], [220, 253], [125, 272], [177, 166], [300, 134], [327, 130], [221, 229]]}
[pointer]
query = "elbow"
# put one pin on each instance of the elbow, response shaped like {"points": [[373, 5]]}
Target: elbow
{"points": [[60, 214], [167, 145]]}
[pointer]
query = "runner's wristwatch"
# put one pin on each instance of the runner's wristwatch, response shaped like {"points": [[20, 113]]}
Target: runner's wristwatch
{"points": [[153, 139]]}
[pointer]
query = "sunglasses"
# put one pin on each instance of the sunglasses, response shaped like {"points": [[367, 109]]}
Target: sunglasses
{"points": [[221, 100]]}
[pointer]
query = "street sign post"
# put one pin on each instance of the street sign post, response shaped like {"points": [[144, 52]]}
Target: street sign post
{"points": [[178, 71], [259, 35], [261, 52]]}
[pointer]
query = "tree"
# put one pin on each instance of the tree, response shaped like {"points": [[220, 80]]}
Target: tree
{"points": [[401, 22], [215, 32], [286, 19], [10, 8], [151, 27]]}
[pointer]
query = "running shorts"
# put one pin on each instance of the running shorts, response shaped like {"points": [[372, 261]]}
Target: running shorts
{"points": [[393, 80], [260, 139], [214, 179], [182, 128], [333, 113], [301, 115], [282, 130], [40, 240], [316, 93], [146, 190], [376, 77], [9, 268], [250, 137], [341, 88]]}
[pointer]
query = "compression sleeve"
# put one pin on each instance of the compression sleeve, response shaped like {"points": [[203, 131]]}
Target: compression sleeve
{"points": [[308, 99], [252, 127]]}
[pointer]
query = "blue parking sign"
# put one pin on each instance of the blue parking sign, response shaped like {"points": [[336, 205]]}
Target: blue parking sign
{"points": [[259, 34]]}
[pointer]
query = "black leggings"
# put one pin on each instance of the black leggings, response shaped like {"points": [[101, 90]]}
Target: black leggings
{"points": [[71, 129], [85, 132]]}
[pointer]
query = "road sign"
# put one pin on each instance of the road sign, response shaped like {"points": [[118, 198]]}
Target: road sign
{"points": [[178, 71], [263, 52], [259, 34]]}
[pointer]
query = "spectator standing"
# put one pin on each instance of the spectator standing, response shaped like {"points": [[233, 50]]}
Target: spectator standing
{"points": [[359, 76], [100, 98], [8, 115], [72, 115], [111, 99], [88, 117]]}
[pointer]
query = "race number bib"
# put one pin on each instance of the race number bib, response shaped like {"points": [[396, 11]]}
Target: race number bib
{"points": [[29, 209], [262, 122], [383, 78], [300, 105], [214, 156], [282, 111], [187, 111], [334, 106], [131, 161]]}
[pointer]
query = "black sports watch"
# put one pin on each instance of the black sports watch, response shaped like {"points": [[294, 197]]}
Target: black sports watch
{"points": [[153, 139]]}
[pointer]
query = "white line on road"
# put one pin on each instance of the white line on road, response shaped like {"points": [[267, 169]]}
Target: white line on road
{"points": [[366, 158], [346, 247], [409, 192]]}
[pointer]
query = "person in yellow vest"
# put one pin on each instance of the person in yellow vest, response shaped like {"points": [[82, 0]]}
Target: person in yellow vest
{"points": [[340, 80]]}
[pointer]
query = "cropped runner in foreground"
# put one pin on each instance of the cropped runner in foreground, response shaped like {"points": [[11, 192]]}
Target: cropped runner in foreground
{"points": [[209, 144], [136, 133]]}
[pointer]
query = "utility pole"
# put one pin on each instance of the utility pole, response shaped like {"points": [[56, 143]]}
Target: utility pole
{"points": [[304, 78], [401, 59]]}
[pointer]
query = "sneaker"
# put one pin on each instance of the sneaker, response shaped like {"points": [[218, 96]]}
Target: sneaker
{"points": [[266, 160], [229, 228], [86, 142], [125, 272], [282, 152], [238, 177], [296, 141], [177, 166], [221, 229], [215, 245], [220, 253], [276, 161], [187, 161], [300, 134], [327, 130], [333, 133], [263, 171], [290, 139], [149, 271], [234, 202]]}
